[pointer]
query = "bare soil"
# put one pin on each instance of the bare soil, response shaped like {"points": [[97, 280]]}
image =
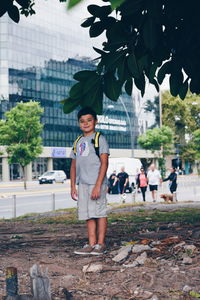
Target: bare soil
{"points": [[51, 242]]}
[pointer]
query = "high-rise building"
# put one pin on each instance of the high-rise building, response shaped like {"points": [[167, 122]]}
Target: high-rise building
{"points": [[38, 58]]}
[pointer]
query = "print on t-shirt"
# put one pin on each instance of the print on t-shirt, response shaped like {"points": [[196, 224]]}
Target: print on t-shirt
{"points": [[83, 149]]}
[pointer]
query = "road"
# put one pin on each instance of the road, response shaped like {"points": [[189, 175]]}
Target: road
{"points": [[40, 198]]}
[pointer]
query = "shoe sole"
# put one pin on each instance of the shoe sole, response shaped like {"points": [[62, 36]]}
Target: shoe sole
{"points": [[96, 253], [82, 253]]}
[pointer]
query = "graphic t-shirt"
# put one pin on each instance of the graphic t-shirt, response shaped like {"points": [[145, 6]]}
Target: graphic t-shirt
{"points": [[143, 180], [122, 177], [87, 162]]}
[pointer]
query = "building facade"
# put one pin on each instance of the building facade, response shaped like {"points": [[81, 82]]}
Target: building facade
{"points": [[38, 58]]}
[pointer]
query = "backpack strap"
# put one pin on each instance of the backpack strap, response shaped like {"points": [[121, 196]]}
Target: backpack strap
{"points": [[75, 143], [96, 143]]}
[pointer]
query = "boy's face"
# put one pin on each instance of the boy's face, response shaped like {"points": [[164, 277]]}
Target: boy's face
{"points": [[87, 123]]}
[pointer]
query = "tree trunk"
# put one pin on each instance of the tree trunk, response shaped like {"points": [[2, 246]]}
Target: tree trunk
{"points": [[24, 176]]}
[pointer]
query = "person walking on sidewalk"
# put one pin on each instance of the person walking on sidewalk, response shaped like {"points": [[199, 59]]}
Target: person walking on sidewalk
{"points": [[154, 179], [173, 180], [88, 170], [142, 182], [123, 180]]}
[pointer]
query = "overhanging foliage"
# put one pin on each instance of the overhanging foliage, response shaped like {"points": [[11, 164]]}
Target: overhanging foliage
{"points": [[145, 40]]}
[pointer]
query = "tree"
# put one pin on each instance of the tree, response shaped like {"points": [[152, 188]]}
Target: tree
{"points": [[158, 139], [154, 107], [20, 132], [184, 119], [144, 40], [196, 143]]}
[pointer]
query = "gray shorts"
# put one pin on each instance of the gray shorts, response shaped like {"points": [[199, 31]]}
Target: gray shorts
{"points": [[88, 208]]}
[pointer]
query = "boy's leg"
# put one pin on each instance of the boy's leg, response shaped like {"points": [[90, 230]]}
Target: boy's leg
{"points": [[92, 231], [102, 228]]}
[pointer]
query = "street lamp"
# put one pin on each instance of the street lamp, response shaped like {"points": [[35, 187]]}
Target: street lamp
{"points": [[131, 129]]}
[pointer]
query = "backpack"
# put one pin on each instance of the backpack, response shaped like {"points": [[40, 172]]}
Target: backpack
{"points": [[95, 141]]}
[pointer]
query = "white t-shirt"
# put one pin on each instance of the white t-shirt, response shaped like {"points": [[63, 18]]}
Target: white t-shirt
{"points": [[154, 177]]}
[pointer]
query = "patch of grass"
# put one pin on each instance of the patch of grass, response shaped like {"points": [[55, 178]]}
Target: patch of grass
{"points": [[183, 216]]}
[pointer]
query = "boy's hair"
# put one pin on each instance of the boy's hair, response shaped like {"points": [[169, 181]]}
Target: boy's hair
{"points": [[86, 111]]}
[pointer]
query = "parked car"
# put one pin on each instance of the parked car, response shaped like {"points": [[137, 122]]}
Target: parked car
{"points": [[52, 176]]}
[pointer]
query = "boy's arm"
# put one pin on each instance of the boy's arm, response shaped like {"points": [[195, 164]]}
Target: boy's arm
{"points": [[74, 193], [102, 173]]}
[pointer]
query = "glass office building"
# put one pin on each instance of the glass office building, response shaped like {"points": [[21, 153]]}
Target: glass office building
{"points": [[38, 58]]}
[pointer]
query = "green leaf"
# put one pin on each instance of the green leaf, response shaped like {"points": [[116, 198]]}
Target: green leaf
{"points": [[143, 63], [96, 29], [133, 66], [152, 71], [113, 60], [93, 97], [13, 13], [183, 90], [154, 82], [70, 105], [150, 34], [165, 69], [72, 3], [140, 84], [76, 91], [88, 22], [99, 51], [92, 81], [116, 3], [83, 75], [93, 9], [175, 81], [112, 86], [129, 86]]}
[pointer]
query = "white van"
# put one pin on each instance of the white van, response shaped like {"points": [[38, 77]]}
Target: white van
{"points": [[52, 176], [131, 165]]}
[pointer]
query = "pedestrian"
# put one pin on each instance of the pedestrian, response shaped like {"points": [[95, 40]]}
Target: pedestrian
{"points": [[173, 180], [154, 179], [111, 183], [88, 170], [142, 182], [123, 180]]}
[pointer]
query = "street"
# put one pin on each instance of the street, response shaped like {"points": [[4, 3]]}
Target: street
{"points": [[42, 198]]}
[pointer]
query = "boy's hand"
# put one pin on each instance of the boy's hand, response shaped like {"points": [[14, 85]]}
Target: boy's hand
{"points": [[74, 193], [96, 193]]}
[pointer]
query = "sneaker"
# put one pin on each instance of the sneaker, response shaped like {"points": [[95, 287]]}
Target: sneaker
{"points": [[98, 250], [87, 249]]}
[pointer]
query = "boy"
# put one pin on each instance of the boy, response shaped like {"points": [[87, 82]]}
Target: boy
{"points": [[88, 170]]}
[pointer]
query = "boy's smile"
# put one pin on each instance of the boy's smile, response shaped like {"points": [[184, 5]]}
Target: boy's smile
{"points": [[87, 124]]}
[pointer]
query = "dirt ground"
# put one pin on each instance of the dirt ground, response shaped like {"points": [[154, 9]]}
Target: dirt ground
{"points": [[169, 272]]}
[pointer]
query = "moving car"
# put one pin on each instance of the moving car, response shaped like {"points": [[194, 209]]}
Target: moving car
{"points": [[52, 176]]}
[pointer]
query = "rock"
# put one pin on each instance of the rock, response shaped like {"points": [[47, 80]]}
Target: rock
{"points": [[154, 243], [154, 297], [122, 253], [187, 260], [141, 259], [142, 294], [190, 248], [68, 280], [92, 268], [187, 288], [134, 264], [140, 248]]}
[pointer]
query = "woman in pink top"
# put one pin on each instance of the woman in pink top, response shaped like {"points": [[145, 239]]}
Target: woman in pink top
{"points": [[142, 182]]}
